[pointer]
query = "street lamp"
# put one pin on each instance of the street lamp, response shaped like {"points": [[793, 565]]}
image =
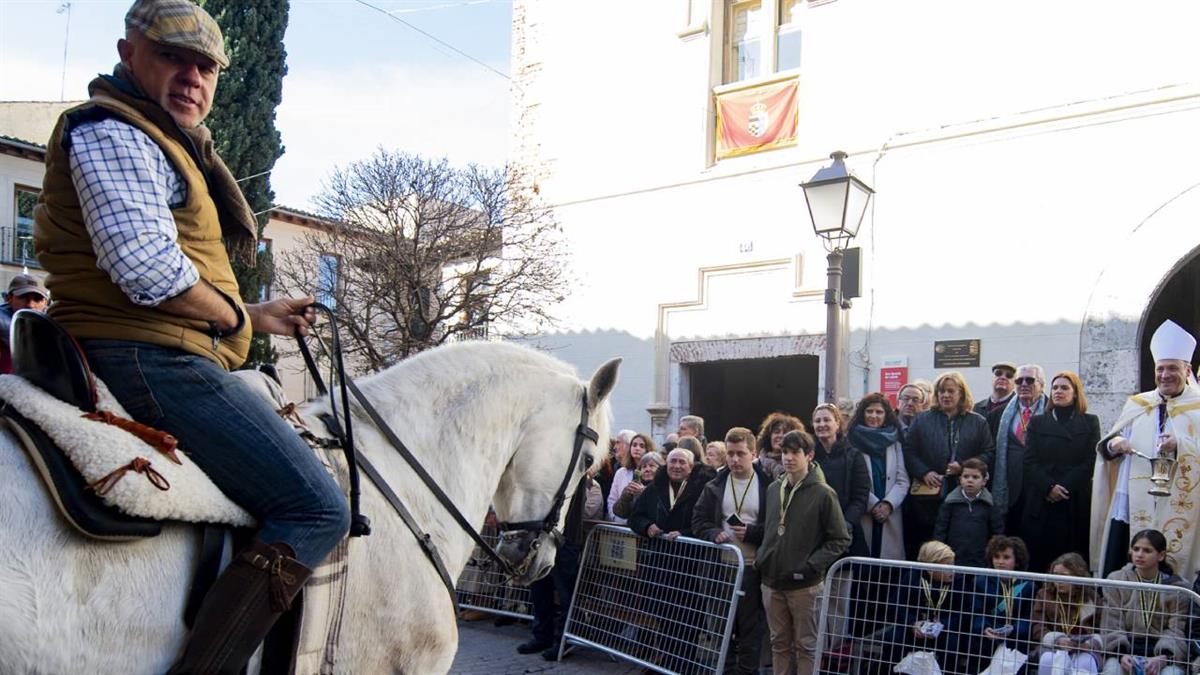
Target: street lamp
{"points": [[837, 203]]}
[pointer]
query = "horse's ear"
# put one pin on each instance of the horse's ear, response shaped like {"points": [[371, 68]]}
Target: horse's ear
{"points": [[602, 382]]}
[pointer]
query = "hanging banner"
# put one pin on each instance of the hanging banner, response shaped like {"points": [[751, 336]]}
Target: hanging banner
{"points": [[893, 374], [758, 118]]}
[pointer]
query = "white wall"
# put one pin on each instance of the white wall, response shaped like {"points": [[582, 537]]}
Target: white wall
{"points": [[1013, 147]]}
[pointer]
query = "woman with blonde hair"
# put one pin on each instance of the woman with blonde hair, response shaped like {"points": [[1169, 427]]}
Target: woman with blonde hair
{"points": [[935, 446], [714, 455]]}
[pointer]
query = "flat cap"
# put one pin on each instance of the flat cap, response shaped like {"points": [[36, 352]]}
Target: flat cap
{"points": [[25, 283], [1006, 365], [179, 23]]}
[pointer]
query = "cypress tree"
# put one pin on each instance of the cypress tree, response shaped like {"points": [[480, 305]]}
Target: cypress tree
{"points": [[243, 124]]}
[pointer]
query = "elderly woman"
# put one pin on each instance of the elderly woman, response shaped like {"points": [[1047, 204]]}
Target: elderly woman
{"points": [[935, 447], [647, 469], [770, 440], [714, 455], [1059, 456], [638, 445]]}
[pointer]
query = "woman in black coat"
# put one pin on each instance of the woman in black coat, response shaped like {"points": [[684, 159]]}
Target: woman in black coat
{"points": [[845, 470], [1060, 453]]}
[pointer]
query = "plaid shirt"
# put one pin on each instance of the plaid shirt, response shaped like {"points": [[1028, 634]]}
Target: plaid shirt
{"points": [[127, 188]]}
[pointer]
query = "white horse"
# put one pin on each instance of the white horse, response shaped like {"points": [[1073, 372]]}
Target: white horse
{"points": [[492, 423]]}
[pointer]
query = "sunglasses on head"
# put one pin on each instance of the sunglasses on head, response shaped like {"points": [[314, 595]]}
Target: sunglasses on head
{"points": [[1025, 380]]}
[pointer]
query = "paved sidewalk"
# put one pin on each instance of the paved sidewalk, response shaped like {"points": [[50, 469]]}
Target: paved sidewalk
{"points": [[484, 648]]}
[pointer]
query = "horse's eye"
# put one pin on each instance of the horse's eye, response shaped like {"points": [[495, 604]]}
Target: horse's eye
{"points": [[587, 461]]}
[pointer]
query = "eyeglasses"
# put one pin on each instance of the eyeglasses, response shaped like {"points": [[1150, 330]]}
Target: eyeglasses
{"points": [[1025, 380], [910, 399]]}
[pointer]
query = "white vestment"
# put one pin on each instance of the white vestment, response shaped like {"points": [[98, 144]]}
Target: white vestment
{"points": [[1120, 486]]}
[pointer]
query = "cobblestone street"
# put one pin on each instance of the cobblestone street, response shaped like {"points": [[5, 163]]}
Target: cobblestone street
{"points": [[486, 648]]}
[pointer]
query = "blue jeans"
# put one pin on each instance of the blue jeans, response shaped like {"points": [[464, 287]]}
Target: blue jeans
{"points": [[231, 433]]}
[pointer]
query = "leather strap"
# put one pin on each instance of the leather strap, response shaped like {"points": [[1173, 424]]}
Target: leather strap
{"points": [[548, 524], [423, 538], [212, 547]]}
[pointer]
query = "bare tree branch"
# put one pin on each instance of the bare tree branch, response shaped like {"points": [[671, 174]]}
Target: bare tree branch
{"points": [[427, 253]]}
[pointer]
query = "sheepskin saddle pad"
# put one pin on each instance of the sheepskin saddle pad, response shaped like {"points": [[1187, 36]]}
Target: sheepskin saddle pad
{"points": [[116, 467]]}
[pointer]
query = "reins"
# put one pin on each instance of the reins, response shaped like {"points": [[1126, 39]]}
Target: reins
{"points": [[360, 524]]}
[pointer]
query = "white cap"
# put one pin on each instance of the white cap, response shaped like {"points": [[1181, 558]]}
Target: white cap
{"points": [[1172, 342]]}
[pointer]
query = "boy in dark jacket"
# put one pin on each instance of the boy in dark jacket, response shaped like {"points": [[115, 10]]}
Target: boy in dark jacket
{"points": [[730, 510], [804, 534], [968, 519]]}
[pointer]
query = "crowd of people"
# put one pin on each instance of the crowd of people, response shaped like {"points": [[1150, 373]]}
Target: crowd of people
{"points": [[1003, 482]]}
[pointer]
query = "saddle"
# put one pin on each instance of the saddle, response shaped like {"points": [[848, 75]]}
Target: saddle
{"points": [[44, 354]]}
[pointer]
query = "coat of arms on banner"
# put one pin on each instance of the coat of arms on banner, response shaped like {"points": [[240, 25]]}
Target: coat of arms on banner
{"points": [[759, 120]]}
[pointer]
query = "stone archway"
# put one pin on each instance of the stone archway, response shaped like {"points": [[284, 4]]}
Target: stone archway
{"points": [[1135, 290]]}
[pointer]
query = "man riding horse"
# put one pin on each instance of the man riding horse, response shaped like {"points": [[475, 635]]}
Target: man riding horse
{"points": [[129, 226]]}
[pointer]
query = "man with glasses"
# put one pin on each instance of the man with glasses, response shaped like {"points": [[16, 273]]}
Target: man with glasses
{"points": [[1002, 388], [911, 401], [1009, 425]]}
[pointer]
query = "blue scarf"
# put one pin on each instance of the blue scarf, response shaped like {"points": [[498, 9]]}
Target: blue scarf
{"points": [[875, 443]]}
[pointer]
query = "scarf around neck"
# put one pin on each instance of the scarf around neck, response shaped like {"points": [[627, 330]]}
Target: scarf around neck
{"points": [[875, 442], [1000, 494]]}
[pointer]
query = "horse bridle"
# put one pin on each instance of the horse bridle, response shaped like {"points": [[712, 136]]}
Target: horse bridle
{"points": [[549, 524], [360, 524]]}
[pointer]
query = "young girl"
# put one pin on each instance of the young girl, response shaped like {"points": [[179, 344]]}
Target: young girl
{"points": [[1003, 606], [1145, 626], [1066, 620]]}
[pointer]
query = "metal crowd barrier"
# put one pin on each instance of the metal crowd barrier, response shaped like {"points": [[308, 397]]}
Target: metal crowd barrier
{"points": [[664, 605], [483, 587], [887, 616]]}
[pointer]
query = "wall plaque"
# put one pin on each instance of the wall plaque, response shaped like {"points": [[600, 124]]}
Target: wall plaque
{"points": [[956, 354]]}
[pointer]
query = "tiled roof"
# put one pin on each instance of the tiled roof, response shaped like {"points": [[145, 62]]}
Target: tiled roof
{"points": [[22, 148]]}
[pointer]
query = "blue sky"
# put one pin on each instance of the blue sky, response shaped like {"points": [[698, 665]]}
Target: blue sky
{"points": [[357, 79]]}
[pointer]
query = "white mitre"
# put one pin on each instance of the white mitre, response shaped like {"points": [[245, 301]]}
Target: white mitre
{"points": [[1172, 342]]}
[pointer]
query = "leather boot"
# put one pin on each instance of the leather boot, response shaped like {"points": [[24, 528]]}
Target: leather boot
{"points": [[243, 604]]}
